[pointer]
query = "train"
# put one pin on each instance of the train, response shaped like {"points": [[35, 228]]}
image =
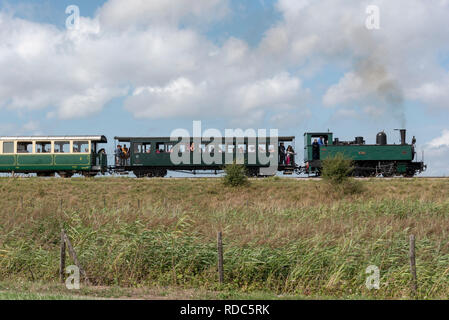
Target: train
{"points": [[66, 156]]}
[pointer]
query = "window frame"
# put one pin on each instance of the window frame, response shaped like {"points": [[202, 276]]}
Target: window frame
{"points": [[61, 143], [13, 147], [39, 143], [28, 143], [72, 146]]}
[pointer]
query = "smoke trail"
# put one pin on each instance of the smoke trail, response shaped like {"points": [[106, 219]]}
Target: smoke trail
{"points": [[386, 91]]}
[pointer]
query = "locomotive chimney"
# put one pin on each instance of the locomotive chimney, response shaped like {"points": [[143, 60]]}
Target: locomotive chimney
{"points": [[403, 135]]}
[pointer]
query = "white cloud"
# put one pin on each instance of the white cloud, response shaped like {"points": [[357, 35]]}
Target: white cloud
{"points": [[143, 13], [176, 71], [382, 67], [185, 98], [442, 141], [437, 154]]}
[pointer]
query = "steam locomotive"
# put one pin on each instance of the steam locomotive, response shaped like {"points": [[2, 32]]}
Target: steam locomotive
{"points": [[380, 159]]}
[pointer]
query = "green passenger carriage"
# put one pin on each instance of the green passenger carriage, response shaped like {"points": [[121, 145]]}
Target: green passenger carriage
{"points": [[47, 155], [151, 156]]}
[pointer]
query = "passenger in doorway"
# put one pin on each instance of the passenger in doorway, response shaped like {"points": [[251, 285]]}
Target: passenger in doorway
{"points": [[281, 153], [118, 155], [315, 150], [290, 156], [321, 141]]}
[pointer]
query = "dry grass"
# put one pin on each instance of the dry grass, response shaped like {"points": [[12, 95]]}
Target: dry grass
{"points": [[281, 235]]}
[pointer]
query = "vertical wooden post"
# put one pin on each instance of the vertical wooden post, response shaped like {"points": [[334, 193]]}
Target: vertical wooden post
{"points": [[414, 283], [220, 256], [62, 259], [61, 205], [104, 202], [21, 200], [74, 256], [138, 204]]}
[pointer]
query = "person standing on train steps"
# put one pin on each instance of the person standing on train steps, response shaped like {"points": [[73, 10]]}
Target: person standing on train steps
{"points": [[281, 153], [118, 155], [315, 150]]}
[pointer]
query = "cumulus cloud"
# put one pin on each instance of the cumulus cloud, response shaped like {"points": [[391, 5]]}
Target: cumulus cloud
{"points": [[143, 13], [436, 155], [183, 97], [382, 67], [28, 128], [140, 48], [155, 55]]}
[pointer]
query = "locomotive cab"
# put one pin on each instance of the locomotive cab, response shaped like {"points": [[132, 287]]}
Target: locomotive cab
{"points": [[312, 154]]}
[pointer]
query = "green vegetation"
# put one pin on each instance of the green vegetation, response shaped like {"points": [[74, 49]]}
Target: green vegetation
{"points": [[336, 169], [336, 172], [282, 238], [235, 175]]}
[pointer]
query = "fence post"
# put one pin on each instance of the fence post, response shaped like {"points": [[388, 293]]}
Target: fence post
{"points": [[62, 257], [220, 256], [75, 257], [414, 282]]}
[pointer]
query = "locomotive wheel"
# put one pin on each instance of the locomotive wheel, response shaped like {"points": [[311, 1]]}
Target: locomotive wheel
{"points": [[140, 174], [161, 173]]}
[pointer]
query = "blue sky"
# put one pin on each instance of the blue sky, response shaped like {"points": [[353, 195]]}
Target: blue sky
{"points": [[142, 68]]}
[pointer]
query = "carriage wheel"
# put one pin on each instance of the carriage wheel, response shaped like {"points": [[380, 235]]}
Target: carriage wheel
{"points": [[65, 174]]}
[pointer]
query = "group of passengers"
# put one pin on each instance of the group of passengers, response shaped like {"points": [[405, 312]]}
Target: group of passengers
{"points": [[286, 157], [122, 155]]}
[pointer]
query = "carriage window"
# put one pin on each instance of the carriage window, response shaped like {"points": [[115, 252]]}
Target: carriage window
{"points": [[241, 148], [251, 148], [262, 147], [160, 147], [230, 148], [271, 148], [62, 147], [203, 148], [8, 147], [43, 147], [169, 148], [81, 146], [221, 148], [24, 147], [211, 148], [142, 148]]}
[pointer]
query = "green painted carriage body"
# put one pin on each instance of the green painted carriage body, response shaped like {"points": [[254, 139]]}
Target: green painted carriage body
{"points": [[45, 163], [163, 159], [33, 162]]}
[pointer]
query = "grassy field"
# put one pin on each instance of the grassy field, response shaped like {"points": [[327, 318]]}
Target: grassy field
{"points": [[283, 238]]}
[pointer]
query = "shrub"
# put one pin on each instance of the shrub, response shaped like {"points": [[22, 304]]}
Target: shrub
{"points": [[235, 175], [336, 169]]}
